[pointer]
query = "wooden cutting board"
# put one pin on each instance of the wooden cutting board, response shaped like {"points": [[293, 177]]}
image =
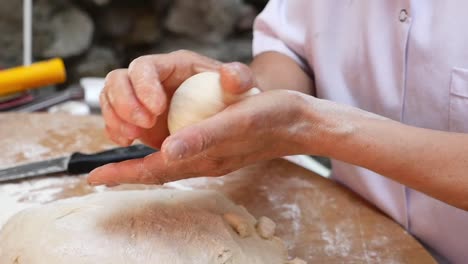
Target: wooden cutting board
{"points": [[320, 221]]}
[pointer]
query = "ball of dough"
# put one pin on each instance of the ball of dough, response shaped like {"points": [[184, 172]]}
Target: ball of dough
{"points": [[151, 226], [199, 97]]}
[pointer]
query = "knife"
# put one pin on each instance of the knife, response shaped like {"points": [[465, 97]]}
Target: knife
{"points": [[77, 163]]}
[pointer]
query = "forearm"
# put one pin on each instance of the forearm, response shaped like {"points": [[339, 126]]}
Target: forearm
{"points": [[433, 162], [274, 70]]}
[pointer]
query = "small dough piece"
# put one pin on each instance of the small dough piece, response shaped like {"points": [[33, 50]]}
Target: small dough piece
{"points": [[239, 224], [296, 261], [266, 227], [150, 226]]}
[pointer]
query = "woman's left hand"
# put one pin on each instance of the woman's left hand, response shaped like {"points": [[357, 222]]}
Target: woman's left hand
{"points": [[269, 125]]}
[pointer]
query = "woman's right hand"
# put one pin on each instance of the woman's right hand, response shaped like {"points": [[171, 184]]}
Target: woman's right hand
{"points": [[135, 101]]}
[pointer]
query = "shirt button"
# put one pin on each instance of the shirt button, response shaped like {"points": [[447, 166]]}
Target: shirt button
{"points": [[403, 15]]}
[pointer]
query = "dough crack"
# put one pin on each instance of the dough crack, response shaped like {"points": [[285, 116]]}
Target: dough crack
{"points": [[72, 211]]}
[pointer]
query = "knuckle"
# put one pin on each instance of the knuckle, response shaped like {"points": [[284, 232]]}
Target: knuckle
{"points": [[136, 61], [205, 140], [138, 73], [183, 53], [135, 64], [252, 122], [134, 109], [111, 83], [145, 175], [149, 176], [122, 104], [112, 75]]}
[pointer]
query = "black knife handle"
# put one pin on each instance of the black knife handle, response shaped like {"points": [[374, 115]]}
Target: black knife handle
{"points": [[84, 163]]}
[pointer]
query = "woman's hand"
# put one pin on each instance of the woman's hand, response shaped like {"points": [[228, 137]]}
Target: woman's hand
{"points": [[261, 127], [135, 101]]}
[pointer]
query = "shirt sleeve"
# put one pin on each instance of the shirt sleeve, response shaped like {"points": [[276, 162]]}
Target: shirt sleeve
{"points": [[280, 27]]}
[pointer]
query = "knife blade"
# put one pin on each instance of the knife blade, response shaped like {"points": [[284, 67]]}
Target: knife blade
{"points": [[76, 163]]}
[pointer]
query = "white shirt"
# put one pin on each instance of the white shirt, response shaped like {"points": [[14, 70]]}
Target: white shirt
{"points": [[406, 60]]}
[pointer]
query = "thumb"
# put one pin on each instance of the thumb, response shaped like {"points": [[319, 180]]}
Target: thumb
{"points": [[236, 77], [199, 137]]}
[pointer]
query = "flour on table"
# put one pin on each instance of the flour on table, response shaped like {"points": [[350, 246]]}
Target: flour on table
{"points": [[15, 197], [338, 239]]}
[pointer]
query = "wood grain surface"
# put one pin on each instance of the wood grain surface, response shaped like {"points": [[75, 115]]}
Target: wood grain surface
{"points": [[320, 221]]}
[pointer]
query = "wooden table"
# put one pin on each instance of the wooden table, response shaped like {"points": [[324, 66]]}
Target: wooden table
{"points": [[319, 220]]}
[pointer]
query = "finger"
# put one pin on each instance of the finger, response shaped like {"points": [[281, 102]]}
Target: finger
{"points": [[155, 77], [183, 64], [149, 170], [236, 77], [210, 132], [122, 128], [120, 95], [144, 77], [155, 136], [117, 138]]}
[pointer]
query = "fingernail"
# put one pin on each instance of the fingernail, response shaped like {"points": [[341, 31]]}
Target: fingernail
{"points": [[236, 70], [232, 68], [176, 150]]}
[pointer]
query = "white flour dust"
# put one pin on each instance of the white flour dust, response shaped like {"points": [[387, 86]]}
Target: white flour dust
{"points": [[292, 212], [28, 151], [15, 197], [196, 183], [338, 238]]}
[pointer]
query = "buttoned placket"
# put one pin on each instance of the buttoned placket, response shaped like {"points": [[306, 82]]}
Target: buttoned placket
{"points": [[404, 19]]}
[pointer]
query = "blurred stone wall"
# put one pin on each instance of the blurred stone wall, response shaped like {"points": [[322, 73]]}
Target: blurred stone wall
{"points": [[96, 36]]}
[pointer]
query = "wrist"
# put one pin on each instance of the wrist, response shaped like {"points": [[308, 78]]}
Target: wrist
{"points": [[339, 131], [308, 130], [331, 126]]}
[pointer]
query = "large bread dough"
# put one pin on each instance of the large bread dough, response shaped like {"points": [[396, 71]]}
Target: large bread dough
{"points": [[152, 226]]}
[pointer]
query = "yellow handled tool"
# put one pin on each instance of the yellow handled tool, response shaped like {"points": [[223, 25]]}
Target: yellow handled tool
{"points": [[33, 76]]}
